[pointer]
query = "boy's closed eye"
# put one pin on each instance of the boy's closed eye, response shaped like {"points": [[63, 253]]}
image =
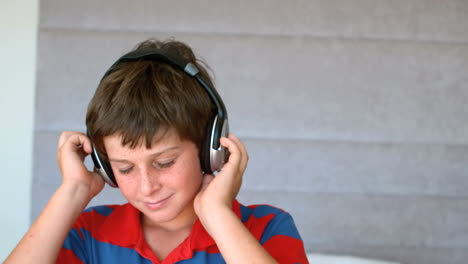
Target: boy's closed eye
{"points": [[164, 165], [125, 171], [156, 164]]}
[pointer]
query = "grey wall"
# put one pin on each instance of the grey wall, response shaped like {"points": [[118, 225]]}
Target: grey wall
{"points": [[354, 111]]}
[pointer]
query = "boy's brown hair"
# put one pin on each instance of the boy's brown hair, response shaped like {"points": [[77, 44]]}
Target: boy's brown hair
{"points": [[142, 100]]}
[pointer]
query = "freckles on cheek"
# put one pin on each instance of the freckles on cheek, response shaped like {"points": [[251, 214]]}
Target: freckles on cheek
{"points": [[188, 172], [125, 184]]}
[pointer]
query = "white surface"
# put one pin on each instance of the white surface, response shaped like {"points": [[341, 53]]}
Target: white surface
{"points": [[18, 26], [333, 259]]}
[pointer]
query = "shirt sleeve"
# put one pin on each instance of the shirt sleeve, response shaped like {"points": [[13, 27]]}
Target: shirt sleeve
{"points": [[282, 240]]}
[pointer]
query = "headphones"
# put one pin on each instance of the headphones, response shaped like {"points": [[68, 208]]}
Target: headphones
{"points": [[212, 154]]}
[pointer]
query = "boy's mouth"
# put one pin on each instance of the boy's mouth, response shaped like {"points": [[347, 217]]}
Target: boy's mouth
{"points": [[157, 204]]}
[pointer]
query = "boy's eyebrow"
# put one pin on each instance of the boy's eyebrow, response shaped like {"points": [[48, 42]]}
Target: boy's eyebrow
{"points": [[152, 155]]}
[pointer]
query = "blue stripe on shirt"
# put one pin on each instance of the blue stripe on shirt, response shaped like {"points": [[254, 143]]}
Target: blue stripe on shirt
{"points": [[100, 252], [203, 257], [102, 210], [281, 224]]}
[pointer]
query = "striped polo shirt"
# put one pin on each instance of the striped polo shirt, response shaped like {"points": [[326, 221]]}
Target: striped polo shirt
{"points": [[113, 234]]}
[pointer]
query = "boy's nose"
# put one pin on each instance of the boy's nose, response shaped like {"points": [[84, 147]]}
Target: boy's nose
{"points": [[149, 182]]}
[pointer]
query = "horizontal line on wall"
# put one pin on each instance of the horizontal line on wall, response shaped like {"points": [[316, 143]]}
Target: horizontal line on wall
{"points": [[451, 144], [353, 141], [264, 35], [338, 247], [359, 194], [356, 193]]}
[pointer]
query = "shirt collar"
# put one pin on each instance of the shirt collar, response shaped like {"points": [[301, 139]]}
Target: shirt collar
{"points": [[123, 228]]}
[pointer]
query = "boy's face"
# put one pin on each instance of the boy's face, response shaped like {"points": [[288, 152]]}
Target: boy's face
{"points": [[161, 181]]}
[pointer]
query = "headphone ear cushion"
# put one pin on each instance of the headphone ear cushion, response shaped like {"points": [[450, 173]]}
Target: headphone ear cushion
{"points": [[108, 169], [205, 151], [104, 168]]}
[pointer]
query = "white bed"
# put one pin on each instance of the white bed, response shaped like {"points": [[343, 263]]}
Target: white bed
{"points": [[334, 259]]}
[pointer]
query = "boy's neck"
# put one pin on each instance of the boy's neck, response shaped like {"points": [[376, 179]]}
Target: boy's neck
{"points": [[163, 238], [183, 222]]}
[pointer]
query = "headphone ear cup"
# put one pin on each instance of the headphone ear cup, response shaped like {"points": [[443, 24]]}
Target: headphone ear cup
{"points": [[104, 168], [205, 151]]}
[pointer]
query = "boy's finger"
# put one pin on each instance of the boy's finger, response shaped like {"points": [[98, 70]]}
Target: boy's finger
{"points": [[234, 151], [244, 156]]}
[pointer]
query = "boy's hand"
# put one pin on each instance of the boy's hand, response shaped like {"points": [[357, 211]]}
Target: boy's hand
{"points": [[219, 191], [73, 147], [213, 205]]}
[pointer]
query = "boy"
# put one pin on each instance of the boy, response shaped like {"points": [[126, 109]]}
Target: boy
{"points": [[157, 129]]}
